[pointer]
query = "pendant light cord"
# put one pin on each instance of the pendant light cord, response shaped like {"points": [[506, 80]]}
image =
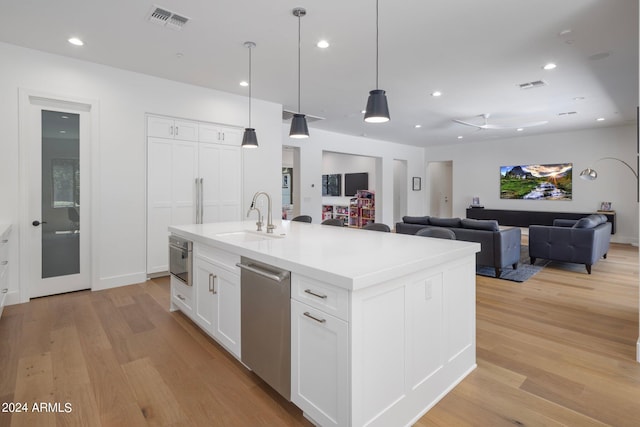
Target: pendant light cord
{"points": [[299, 43], [250, 86], [377, 43]]}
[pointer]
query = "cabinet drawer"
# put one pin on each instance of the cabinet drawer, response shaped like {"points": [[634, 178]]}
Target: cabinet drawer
{"points": [[218, 257], [323, 296], [182, 296]]}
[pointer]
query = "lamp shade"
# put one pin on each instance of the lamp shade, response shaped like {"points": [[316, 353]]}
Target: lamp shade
{"points": [[588, 174], [249, 139], [377, 110], [299, 127]]}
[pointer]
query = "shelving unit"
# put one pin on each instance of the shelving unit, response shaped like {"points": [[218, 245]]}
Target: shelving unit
{"points": [[362, 209], [336, 211]]}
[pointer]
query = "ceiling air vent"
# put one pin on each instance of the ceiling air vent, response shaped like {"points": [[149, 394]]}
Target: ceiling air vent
{"points": [[287, 115], [166, 18], [531, 85]]}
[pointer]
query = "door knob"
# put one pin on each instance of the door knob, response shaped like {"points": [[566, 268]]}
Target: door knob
{"points": [[37, 223]]}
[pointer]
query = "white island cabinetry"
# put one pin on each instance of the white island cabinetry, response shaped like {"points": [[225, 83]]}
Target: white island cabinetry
{"points": [[378, 335], [217, 301]]}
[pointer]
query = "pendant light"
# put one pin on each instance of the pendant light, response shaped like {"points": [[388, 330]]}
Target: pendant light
{"points": [[299, 127], [249, 139], [377, 110]]}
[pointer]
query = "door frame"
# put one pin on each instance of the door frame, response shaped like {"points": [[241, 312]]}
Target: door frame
{"points": [[25, 98]]}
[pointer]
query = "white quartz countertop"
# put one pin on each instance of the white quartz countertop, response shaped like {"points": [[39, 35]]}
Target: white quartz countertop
{"points": [[347, 257]]}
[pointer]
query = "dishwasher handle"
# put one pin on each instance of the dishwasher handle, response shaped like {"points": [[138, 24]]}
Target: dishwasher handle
{"points": [[278, 277]]}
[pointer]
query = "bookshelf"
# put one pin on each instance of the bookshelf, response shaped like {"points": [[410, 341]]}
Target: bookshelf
{"points": [[362, 209]]}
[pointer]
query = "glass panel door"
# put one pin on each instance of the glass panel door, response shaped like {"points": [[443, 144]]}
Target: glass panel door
{"points": [[60, 193]]}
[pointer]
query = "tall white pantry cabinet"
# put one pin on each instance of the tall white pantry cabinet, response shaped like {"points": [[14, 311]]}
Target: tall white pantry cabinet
{"points": [[194, 173]]}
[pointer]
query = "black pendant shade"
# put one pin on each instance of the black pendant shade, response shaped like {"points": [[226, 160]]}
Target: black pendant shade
{"points": [[249, 139], [377, 108], [299, 127]]}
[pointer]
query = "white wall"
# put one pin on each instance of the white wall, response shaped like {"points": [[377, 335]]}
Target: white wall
{"points": [[311, 169], [124, 97], [338, 163], [476, 172]]}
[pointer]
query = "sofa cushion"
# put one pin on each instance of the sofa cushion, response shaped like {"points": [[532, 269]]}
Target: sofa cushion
{"points": [[445, 222], [424, 220], [590, 221], [480, 224]]}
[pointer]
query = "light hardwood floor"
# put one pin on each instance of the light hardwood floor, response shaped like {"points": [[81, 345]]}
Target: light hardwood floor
{"points": [[556, 350]]}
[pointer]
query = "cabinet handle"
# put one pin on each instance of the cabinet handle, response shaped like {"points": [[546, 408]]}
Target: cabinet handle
{"points": [[309, 291], [306, 313], [177, 130], [212, 283], [223, 136], [4, 262], [180, 297], [171, 130], [5, 290], [4, 241]]}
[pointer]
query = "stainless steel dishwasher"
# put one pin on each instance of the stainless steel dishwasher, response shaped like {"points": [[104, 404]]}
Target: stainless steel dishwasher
{"points": [[266, 323]]}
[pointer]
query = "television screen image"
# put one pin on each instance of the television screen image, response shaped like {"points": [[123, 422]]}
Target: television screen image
{"points": [[354, 182], [536, 182], [331, 184]]}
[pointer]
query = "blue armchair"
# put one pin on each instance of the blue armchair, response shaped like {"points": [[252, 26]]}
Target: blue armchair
{"points": [[582, 241]]}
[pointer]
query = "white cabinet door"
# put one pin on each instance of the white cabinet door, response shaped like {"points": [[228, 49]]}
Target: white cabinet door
{"points": [[319, 365], [171, 174], [217, 304], [221, 173], [211, 133], [162, 127]]}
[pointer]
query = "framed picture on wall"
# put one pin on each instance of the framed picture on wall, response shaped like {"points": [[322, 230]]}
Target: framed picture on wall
{"points": [[417, 183]]}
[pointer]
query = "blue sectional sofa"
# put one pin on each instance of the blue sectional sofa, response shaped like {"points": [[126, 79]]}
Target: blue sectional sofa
{"points": [[499, 248]]}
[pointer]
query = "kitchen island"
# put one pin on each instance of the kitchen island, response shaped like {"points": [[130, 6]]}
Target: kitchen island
{"points": [[382, 324]]}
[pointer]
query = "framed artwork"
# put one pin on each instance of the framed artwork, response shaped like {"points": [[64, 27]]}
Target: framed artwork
{"points": [[605, 206], [417, 183]]}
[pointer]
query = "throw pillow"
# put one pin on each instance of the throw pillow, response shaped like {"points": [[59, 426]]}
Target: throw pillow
{"points": [[422, 220], [480, 224], [445, 222]]}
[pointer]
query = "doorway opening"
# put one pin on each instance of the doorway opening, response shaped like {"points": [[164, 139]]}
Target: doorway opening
{"points": [[440, 188]]}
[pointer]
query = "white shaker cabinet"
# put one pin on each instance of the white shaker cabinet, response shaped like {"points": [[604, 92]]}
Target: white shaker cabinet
{"points": [[164, 127], [320, 365], [171, 173], [217, 301], [220, 134], [189, 181]]}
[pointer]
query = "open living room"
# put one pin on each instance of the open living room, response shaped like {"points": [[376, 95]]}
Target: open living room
{"points": [[245, 213]]}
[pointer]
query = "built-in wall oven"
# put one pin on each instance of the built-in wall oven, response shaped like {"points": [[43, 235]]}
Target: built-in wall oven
{"points": [[181, 259]]}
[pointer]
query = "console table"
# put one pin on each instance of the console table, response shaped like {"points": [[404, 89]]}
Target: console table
{"points": [[527, 218]]}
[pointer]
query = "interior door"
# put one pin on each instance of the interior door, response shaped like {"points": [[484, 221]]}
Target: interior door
{"points": [[58, 138]]}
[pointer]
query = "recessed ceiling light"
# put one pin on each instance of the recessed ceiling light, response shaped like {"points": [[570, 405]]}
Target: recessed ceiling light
{"points": [[579, 98], [244, 84], [76, 41], [323, 44], [549, 66], [460, 136], [600, 119], [519, 129], [436, 93], [417, 126], [565, 32]]}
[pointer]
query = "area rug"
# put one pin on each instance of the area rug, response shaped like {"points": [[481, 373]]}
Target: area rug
{"points": [[524, 271]]}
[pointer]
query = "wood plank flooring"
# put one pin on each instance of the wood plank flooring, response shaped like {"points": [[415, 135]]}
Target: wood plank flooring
{"points": [[557, 350]]}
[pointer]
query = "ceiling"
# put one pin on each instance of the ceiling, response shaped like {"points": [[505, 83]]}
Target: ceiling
{"points": [[476, 53]]}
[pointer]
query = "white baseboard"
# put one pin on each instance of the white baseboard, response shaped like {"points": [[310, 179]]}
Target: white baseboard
{"points": [[117, 281]]}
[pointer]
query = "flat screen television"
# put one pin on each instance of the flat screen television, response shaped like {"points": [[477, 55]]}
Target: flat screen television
{"points": [[354, 182], [536, 182], [331, 184]]}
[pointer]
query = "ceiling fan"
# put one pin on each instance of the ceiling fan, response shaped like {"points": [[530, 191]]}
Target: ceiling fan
{"points": [[488, 125]]}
